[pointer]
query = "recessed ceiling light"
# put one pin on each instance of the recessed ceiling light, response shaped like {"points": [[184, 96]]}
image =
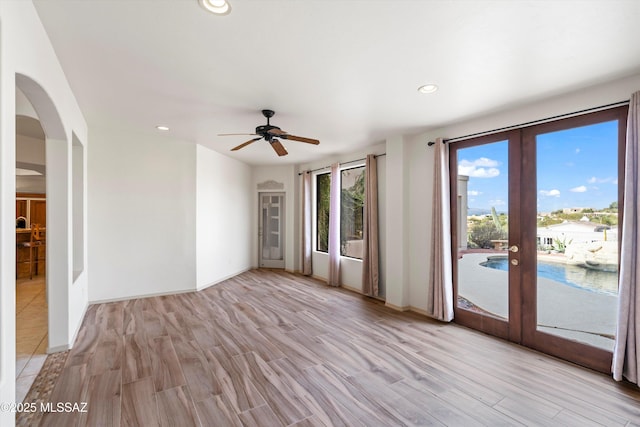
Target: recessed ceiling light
{"points": [[162, 128], [430, 88], [219, 7]]}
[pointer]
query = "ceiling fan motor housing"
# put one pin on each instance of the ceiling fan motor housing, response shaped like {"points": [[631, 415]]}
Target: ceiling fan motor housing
{"points": [[264, 129]]}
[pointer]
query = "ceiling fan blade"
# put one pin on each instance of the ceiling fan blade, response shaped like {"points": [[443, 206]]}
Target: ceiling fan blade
{"points": [[277, 132], [278, 148], [301, 139], [245, 144], [235, 134]]}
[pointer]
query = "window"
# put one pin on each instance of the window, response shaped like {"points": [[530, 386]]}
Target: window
{"points": [[351, 211], [323, 189]]}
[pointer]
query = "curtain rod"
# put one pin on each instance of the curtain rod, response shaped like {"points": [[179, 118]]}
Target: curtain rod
{"points": [[534, 122], [345, 163]]}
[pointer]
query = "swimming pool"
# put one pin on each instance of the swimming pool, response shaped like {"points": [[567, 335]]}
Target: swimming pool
{"points": [[603, 282]]}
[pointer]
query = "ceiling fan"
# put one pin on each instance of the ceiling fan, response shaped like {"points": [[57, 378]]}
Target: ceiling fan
{"points": [[269, 133]]}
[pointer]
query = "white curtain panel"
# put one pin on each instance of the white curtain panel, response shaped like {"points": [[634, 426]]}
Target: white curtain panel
{"points": [[626, 356], [334, 227], [440, 291], [306, 224], [370, 249]]}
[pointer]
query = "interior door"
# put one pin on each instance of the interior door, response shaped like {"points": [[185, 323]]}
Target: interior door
{"points": [[535, 221], [271, 230]]}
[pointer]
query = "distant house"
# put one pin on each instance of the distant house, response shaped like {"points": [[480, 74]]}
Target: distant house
{"points": [[572, 210], [575, 232]]}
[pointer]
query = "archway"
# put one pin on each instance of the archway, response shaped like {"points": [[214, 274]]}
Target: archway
{"points": [[58, 219], [30, 288]]}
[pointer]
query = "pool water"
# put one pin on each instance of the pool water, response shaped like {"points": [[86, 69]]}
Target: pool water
{"points": [[604, 282]]}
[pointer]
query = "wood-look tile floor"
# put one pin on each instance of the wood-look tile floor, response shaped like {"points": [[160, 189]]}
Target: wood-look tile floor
{"points": [[273, 349], [31, 332]]}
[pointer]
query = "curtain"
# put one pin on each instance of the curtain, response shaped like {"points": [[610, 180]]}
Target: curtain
{"points": [[370, 268], [626, 356], [334, 227], [306, 224], [440, 291]]}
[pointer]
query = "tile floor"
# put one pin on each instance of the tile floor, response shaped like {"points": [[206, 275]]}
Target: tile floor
{"points": [[31, 332]]}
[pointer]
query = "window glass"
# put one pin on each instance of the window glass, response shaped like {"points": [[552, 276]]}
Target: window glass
{"points": [[323, 188], [351, 211]]}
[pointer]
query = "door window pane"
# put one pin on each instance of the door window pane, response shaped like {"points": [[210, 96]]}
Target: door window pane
{"points": [[483, 220], [577, 230]]}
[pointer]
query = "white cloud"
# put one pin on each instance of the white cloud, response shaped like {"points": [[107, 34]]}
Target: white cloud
{"points": [[550, 193], [609, 180], [580, 189], [497, 202], [479, 168], [577, 150], [474, 193]]}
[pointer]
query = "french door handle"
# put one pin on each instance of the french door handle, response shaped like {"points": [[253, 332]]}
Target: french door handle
{"points": [[514, 248]]}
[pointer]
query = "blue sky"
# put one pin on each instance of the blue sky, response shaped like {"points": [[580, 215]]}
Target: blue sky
{"points": [[576, 168]]}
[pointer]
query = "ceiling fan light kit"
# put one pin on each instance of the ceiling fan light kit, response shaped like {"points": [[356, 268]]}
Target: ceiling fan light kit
{"points": [[269, 132]]}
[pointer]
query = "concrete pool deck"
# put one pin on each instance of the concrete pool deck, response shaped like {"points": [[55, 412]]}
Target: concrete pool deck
{"points": [[563, 310]]}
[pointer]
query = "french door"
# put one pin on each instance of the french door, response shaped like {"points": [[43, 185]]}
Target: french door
{"points": [[535, 225]]}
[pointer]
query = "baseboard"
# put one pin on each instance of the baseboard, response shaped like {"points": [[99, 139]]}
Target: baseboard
{"points": [[58, 348], [349, 288], [322, 279], [412, 309], [201, 288], [420, 311], [397, 307], [69, 345], [158, 294], [77, 331]]}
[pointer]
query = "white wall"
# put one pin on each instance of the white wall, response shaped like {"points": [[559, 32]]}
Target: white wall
{"points": [[287, 176], [142, 203], [223, 217], [421, 160], [30, 151], [25, 50]]}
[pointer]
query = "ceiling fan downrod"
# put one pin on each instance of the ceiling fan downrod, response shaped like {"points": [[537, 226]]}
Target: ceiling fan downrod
{"points": [[268, 114]]}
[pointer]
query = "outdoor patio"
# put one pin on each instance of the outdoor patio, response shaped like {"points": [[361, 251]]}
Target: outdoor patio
{"points": [[563, 310]]}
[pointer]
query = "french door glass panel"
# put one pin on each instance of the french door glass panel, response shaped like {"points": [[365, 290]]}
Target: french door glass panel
{"points": [[483, 222], [272, 230], [577, 233]]}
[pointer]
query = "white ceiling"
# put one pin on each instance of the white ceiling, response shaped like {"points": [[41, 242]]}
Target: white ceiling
{"points": [[344, 72]]}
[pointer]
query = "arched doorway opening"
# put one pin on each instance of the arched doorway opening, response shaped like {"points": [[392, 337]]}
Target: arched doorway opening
{"points": [[48, 333], [31, 302]]}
